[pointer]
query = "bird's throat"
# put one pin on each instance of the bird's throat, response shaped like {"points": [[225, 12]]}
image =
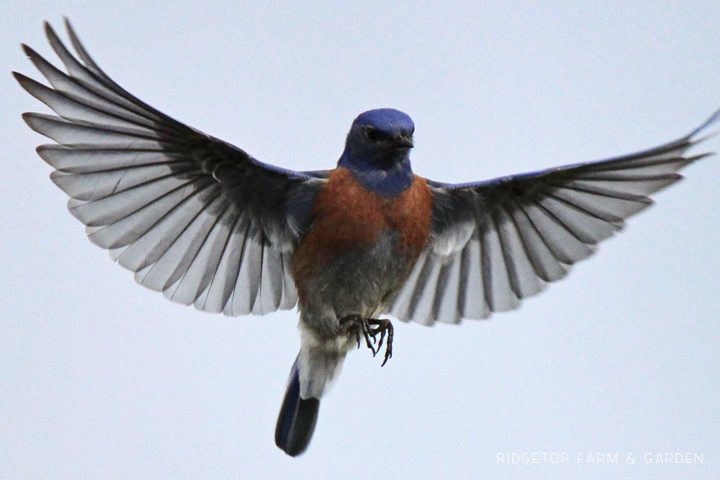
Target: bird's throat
{"points": [[385, 182]]}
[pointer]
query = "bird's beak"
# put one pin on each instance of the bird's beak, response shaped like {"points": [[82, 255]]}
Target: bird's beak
{"points": [[403, 141]]}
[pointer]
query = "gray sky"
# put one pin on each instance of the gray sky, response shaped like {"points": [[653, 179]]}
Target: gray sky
{"points": [[101, 378]]}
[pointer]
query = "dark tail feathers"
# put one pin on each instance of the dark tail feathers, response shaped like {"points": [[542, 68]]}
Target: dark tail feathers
{"points": [[297, 418]]}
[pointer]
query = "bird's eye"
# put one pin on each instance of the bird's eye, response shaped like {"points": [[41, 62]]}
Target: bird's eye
{"points": [[373, 134]]}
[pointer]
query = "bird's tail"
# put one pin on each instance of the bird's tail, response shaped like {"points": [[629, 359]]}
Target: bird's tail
{"points": [[297, 418]]}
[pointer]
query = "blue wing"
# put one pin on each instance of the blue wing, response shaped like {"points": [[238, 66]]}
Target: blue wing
{"points": [[193, 216], [496, 242]]}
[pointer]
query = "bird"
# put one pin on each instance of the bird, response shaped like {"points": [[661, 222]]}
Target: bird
{"points": [[208, 225]]}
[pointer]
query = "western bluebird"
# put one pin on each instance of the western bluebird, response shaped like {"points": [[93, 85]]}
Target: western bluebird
{"points": [[209, 225]]}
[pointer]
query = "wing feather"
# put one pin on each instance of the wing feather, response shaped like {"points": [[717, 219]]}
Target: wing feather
{"points": [[194, 217], [527, 230]]}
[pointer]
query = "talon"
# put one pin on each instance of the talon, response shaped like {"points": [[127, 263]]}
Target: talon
{"points": [[382, 337], [388, 350], [357, 323], [383, 327], [370, 328], [366, 333]]}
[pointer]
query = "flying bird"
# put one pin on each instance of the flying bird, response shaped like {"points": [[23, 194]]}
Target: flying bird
{"points": [[207, 224]]}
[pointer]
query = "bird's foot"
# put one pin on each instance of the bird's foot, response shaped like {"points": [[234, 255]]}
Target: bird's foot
{"points": [[383, 327], [356, 324], [370, 328]]}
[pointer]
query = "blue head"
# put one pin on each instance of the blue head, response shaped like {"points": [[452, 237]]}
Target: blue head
{"points": [[377, 150]]}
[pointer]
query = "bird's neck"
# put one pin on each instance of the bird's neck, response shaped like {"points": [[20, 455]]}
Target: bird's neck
{"points": [[386, 182]]}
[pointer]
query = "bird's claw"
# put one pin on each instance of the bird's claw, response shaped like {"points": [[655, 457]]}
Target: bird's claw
{"points": [[370, 328], [357, 323], [383, 327]]}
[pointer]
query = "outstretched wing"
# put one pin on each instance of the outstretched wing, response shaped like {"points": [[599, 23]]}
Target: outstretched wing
{"points": [[496, 242], [193, 216]]}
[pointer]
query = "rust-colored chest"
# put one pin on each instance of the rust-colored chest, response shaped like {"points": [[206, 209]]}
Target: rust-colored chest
{"points": [[349, 217]]}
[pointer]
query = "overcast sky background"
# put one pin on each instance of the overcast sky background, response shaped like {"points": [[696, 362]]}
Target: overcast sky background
{"points": [[101, 378]]}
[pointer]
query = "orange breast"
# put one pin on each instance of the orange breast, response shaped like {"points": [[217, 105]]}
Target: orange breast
{"points": [[347, 216]]}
